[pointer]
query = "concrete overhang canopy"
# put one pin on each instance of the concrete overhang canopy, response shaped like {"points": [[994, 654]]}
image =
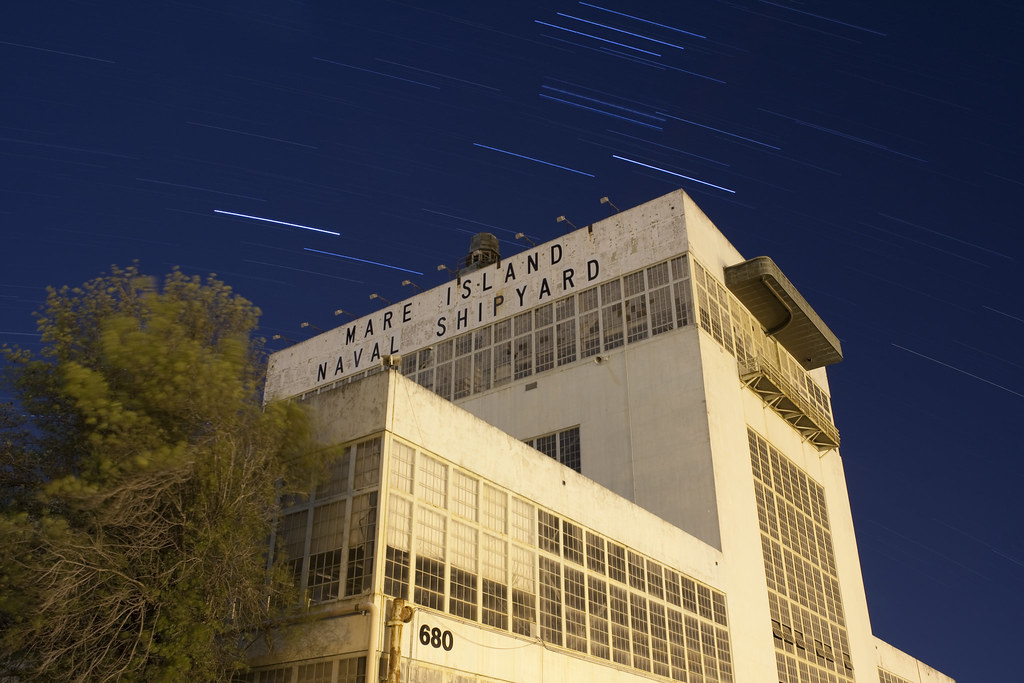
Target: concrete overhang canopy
{"points": [[786, 315]]}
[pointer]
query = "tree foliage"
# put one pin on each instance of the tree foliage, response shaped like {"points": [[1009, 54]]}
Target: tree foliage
{"points": [[139, 477]]}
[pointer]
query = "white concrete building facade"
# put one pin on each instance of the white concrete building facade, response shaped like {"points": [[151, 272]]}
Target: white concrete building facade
{"points": [[608, 457]]}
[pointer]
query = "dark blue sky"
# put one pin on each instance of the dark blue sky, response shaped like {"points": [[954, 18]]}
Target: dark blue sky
{"points": [[872, 149]]}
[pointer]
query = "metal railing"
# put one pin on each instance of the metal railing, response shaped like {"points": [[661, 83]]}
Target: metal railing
{"points": [[803, 414]]}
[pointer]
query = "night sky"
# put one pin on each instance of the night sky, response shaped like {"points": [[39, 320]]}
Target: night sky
{"points": [[871, 149]]}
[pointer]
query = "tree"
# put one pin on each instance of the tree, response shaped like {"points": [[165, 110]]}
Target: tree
{"points": [[139, 479]]}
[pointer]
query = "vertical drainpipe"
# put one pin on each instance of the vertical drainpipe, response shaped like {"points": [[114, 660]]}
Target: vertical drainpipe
{"points": [[372, 658], [400, 614]]}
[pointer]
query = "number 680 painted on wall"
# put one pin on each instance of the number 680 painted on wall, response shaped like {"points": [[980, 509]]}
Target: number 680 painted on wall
{"points": [[434, 637]]}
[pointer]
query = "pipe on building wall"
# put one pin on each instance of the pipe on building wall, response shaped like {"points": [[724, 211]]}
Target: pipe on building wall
{"points": [[400, 614], [372, 659]]}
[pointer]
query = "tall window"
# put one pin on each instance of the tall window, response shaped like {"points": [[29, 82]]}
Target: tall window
{"points": [[328, 538], [806, 610]]}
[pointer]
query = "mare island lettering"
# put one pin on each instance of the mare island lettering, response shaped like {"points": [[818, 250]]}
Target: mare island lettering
{"points": [[484, 295]]}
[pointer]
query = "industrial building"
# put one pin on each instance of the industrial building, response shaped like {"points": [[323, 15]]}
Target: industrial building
{"points": [[608, 457]]}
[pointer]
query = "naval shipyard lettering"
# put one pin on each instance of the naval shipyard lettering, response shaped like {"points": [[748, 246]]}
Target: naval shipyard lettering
{"points": [[482, 296]]}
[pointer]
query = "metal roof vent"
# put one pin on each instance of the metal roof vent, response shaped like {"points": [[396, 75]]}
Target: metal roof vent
{"points": [[483, 251]]}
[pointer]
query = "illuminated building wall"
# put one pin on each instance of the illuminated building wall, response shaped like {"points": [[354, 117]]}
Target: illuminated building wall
{"points": [[611, 456]]}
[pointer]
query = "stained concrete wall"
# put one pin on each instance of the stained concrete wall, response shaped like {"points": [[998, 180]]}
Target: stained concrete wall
{"points": [[643, 425], [906, 667]]}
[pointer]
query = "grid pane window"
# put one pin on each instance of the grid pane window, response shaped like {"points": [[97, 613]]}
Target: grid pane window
{"points": [[683, 301], [565, 330], [502, 363], [463, 545], [611, 315], [633, 284], [886, 677], [463, 586], [328, 538], [689, 595], [494, 574], [462, 376], [463, 345], [718, 608], [403, 459], [590, 334], [655, 580], [444, 351], [523, 345], [351, 670], [318, 672], [367, 469], [523, 527], [569, 448], [399, 543], [523, 356], [659, 640], [565, 333], [595, 553], [672, 588], [641, 641], [425, 378], [710, 651], [636, 571], [550, 601], [443, 379], [482, 369], [431, 530], [575, 610], [617, 562], [494, 511], [291, 535], [677, 645], [545, 338], [465, 495], [548, 445], [704, 601], [724, 655], [524, 591], [572, 542], [803, 589], [563, 446], [597, 601], [590, 326], [336, 478], [362, 530], [618, 602], [325, 552], [425, 358], [279, 675], [482, 338], [432, 481], [636, 307], [691, 629], [660, 298], [547, 528], [502, 331]]}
